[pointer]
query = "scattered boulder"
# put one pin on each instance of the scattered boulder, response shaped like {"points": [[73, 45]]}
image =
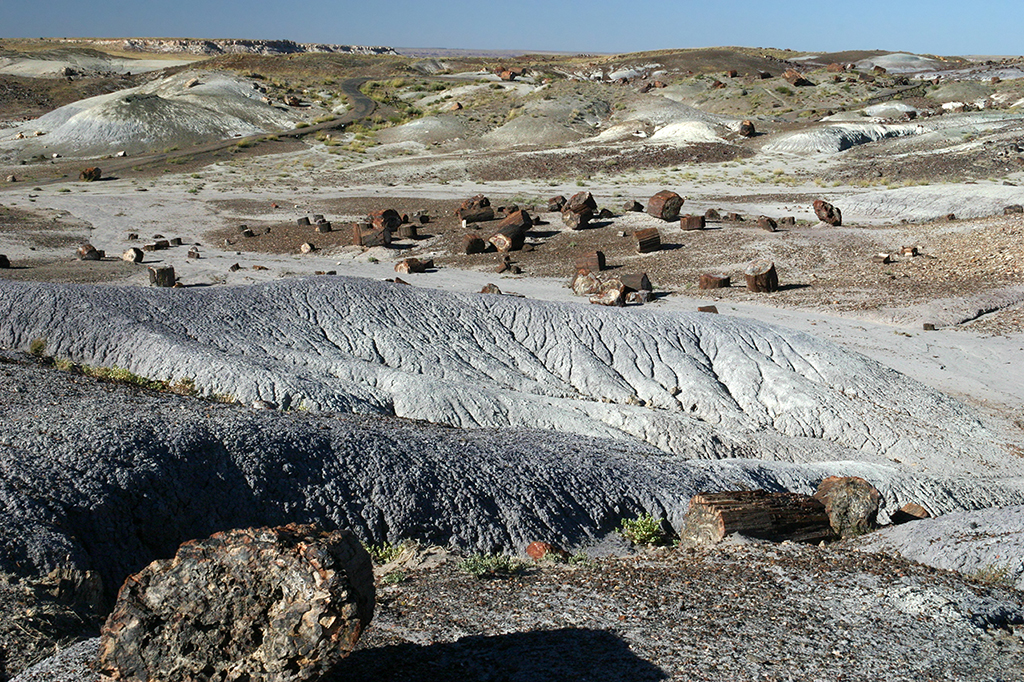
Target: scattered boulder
{"points": [[193, 254], [511, 232], [787, 221], [733, 218], [307, 247], [747, 129], [133, 255], [612, 293], [707, 309], [711, 215], [835, 68], [4, 262], [273, 604], [12, 178], [580, 202], [632, 206], [827, 213], [851, 504], [576, 220], [385, 219], [90, 174], [161, 276], [767, 224], [586, 283], [665, 205], [302, 222], [491, 289], [555, 204]]}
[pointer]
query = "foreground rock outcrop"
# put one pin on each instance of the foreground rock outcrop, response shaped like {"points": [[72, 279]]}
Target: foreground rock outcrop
{"points": [[269, 604]]}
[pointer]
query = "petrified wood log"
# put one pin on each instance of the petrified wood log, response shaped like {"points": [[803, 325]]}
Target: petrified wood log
{"points": [[373, 237], [88, 252], [555, 204], [309, 247], [747, 129], [827, 213], [665, 205], [593, 262], [707, 309], [761, 276], [413, 265], [712, 216], [577, 220], [4, 262], [648, 240], [580, 202], [385, 219], [408, 231], [909, 512], [611, 293], [475, 209], [90, 174], [787, 221], [692, 222], [636, 282], [586, 283], [283, 604], [755, 513], [303, 221], [851, 504], [713, 281], [323, 227], [767, 224], [473, 243], [511, 234], [632, 206], [133, 255], [161, 276]]}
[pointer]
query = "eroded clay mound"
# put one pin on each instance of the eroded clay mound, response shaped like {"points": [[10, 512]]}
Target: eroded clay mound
{"points": [[694, 385]]}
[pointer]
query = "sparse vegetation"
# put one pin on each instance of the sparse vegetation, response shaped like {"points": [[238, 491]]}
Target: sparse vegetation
{"points": [[643, 530], [493, 565]]}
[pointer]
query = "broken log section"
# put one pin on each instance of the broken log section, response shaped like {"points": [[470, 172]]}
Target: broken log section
{"points": [[414, 265], [692, 222], [713, 281], [665, 205], [761, 276], [648, 241], [757, 514], [511, 234], [637, 282], [592, 262]]}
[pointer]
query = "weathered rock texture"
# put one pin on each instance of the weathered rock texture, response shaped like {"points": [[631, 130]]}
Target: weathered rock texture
{"points": [[268, 604], [851, 504]]}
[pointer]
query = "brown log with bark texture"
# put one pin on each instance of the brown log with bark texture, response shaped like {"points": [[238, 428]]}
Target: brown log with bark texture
{"points": [[577, 221], [511, 234], [692, 222], [665, 205], [636, 282], [408, 232], [476, 209], [473, 243], [555, 204], [385, 219], [161, 276], [707, 309], [581, 201], [593, 262], [713, 281], [827, 213], [647, 241], [413, 265], [755, 513], [761, 276], [372, 237]]}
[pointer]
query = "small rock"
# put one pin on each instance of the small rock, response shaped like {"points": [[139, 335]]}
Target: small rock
{"points": [[307, 248], [490, 289], [543, 550], [133, 255]]}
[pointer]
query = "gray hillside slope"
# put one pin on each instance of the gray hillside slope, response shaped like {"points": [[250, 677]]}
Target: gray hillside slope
{"points": [[108, 477], [699, 386]]}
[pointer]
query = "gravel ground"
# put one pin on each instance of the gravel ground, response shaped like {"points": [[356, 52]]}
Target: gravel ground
{"points": [[744, 611]]}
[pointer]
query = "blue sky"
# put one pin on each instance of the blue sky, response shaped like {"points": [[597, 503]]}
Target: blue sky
{"points": [[604, 26]]}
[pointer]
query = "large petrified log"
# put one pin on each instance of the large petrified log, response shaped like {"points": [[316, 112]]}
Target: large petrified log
{"points": [[577, 220], [827, 213], [692, 222], [586, 283], [636, 282], [580, 202], [713, 281], [665, 205], [611, 293], [161, 276], [272, 604], [476, 209], [473, 243], [647, 240], [365, 235], [386, 219], [761, 276], [593, 261], [555, 204], [757, 514], [511, 233], [851, 504]]}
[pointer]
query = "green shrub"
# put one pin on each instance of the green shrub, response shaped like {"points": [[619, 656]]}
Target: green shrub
{"points": [[37, 347], [643, 530], [385, 552]]}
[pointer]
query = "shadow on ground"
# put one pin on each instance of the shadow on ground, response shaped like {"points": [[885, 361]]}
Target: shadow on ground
{"points": [[555, 655]]}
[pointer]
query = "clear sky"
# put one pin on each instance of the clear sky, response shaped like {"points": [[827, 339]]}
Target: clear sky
{"points": [[600, 26]]}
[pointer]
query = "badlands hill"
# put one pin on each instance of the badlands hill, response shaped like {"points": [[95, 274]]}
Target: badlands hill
{"points": [[483, 422]]}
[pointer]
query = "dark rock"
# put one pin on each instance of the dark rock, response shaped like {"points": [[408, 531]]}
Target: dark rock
{"points": [[767, 224], [302, 222], [1014, 208], [162, 276], [787, 221], [747, 129], [909, 512], [633, 206], [711, 215], [272, 604], [580, 202], [555, 204], [4, 262], [90, 174], [88, 252], [491, 289], [851, 504]]}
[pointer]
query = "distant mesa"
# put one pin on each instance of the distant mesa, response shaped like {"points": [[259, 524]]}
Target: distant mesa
{"points": [[215, 47]]}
